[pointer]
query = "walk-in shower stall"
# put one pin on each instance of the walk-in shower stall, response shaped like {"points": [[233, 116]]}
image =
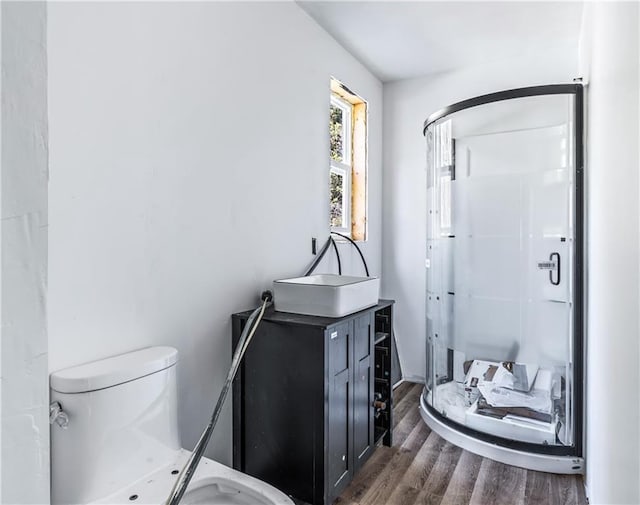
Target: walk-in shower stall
{"points": [[504, 265]]}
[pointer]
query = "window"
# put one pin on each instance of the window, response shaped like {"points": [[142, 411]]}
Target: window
{"points": [[340, 171], [347, 162]]}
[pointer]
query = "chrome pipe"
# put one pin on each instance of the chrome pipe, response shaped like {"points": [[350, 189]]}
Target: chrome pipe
{"points": [[189, 468]]}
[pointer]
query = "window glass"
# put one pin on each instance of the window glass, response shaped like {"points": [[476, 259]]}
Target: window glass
{"points": [[337, 194], [336, 132]]}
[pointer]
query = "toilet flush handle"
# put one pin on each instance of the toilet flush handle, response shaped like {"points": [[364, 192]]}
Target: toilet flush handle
{"points": [[58, 416]]}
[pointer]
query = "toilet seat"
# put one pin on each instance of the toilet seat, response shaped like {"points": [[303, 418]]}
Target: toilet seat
{"points": [[212, 484]]}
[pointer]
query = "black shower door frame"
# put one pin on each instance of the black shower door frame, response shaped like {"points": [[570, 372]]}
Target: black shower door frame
{"points": [[578, 267]]}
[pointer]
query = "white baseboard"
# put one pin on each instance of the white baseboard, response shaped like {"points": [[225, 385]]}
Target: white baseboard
{"points": [[413, 378]]}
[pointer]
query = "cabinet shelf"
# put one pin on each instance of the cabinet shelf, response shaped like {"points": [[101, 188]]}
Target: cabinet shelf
{"points": [[380, 434], [380, 336], [383, 380]]}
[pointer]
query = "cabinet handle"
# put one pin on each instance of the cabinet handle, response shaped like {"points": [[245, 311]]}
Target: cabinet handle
{"points": [[334, 334], [343, 457]]}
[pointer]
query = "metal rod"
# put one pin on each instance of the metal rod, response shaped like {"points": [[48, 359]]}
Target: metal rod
{"points": [[189, 469], [319, 257]]}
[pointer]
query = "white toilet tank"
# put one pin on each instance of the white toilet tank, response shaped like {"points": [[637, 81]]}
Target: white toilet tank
{"points": [[122, 423]]}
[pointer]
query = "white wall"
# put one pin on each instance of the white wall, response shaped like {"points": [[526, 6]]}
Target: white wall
{"points": [[610, 61], [189, 169], [407, 104], [24, 409]]}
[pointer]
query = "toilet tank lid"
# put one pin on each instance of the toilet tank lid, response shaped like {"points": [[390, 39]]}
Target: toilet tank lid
{"points": [[112, 371]]}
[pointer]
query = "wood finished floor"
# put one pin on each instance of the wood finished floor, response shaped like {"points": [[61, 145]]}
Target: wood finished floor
{"points": [[423, 469]]}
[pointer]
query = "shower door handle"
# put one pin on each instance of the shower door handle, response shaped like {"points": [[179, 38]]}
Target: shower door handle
{"points": [[555, 257]]}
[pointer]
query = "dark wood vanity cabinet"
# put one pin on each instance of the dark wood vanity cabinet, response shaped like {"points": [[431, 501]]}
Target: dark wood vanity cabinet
{"points": [[303, 414]]}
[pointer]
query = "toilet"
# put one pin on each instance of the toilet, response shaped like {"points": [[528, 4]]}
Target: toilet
{"points": [[115, 438]]}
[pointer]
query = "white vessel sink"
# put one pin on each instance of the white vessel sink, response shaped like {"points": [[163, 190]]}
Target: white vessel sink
{"points": [[326, 295]]}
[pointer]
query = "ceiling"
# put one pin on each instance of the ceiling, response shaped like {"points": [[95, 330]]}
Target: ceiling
{"points": [[400, 40]]}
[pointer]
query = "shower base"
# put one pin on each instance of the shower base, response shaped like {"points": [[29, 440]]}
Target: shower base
{"points": [[529, 460], [452, 402]]}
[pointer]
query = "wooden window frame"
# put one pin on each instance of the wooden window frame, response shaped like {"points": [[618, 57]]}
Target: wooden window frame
{"points": [[358, 165]]}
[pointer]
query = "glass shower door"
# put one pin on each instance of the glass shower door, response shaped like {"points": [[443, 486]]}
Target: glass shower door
{"points": [[501, 246]]}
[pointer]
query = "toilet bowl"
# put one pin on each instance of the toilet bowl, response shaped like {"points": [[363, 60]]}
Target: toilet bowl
{"points": [[212, 484], [121, 443]]}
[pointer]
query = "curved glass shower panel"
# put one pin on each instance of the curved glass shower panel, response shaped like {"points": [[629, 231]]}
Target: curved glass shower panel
{"points": [[500, 256]]}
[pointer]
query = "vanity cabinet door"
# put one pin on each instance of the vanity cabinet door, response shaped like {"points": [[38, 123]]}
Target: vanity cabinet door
{"points": [[340, 426], [340, 464], [363, 429]]}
